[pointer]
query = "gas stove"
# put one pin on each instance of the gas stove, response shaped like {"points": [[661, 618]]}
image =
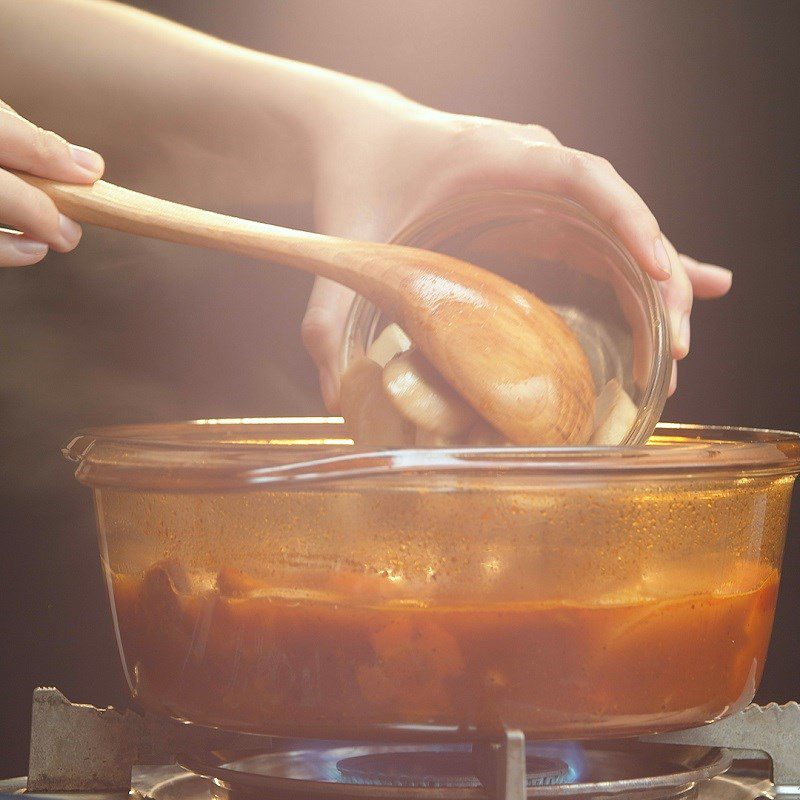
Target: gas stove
{"points": [[84, 753]]}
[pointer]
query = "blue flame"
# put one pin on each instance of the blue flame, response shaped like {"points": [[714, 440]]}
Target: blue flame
{"points": [[571, 753]]}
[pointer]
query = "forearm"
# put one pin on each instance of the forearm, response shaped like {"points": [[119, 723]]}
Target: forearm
{"points": [[173, 110]]}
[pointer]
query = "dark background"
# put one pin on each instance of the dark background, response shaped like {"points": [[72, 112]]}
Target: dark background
{"points": [[696, 104]]}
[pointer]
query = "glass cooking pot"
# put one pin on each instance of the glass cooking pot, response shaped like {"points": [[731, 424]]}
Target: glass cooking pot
{"points": [[568, 258], [265, 575]]}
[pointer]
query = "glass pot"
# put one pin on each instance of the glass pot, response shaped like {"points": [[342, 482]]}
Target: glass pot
{"points": [[568, 258], [265, 575]]}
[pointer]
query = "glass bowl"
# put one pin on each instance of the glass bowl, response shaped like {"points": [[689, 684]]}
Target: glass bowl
{"points": [[267, 576], [568, 258]]}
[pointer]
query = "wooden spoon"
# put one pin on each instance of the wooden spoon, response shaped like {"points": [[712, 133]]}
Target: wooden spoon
{"points": [[504, 350]]}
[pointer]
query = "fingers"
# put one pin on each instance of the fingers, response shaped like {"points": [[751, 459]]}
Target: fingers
{"points": [[20, 251], [596, 185], [708, 280], [588, 180], [30, 210], [677, 294], [539, 162], [26, 147], [692, 279], [322, 330]]}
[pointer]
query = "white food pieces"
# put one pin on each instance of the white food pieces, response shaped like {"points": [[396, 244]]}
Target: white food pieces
{"points": [[393, 397], [392, 340], [423, 396]]}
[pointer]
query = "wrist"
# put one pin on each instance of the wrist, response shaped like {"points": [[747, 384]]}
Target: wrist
{"points": [[277, 122], [371, 141], [353, 116]]}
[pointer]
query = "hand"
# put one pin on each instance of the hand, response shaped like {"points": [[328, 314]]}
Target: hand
{"points": [[25, 147], [393, 161]]}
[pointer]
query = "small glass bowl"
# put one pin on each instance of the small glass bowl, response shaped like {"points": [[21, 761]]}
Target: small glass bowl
{"points": [[571, 260]]}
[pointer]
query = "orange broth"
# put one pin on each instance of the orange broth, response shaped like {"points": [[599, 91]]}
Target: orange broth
{"points": [[251, 656]]}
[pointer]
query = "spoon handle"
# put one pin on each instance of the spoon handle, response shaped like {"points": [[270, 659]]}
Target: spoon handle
{"points": [[111, 206]]}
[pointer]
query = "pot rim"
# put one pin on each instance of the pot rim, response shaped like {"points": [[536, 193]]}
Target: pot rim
{"points": [[293, 452]]}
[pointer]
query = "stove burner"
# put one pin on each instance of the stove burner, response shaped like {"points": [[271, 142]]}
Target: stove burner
{"points": [[438, 770], [626, 769]]}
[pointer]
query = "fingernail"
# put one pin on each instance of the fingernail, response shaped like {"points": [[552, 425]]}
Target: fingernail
{"points": [[87, 159], [29, 247], [69, 229], [662, 257]]}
